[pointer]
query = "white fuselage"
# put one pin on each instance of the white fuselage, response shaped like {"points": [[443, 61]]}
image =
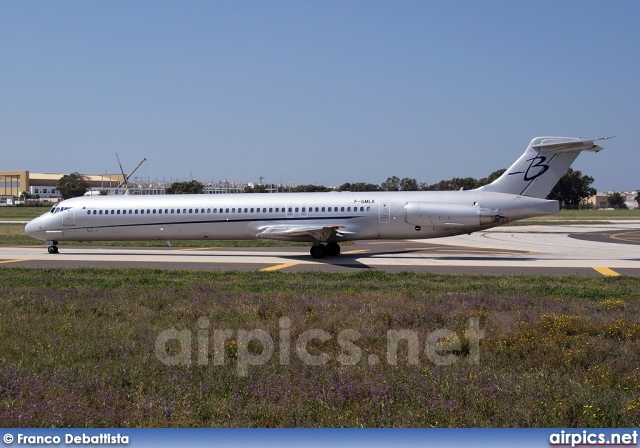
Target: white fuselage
{"points": [[356, 216]]}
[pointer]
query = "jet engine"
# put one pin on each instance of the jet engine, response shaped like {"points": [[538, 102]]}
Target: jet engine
{"points": [[448, 216]]}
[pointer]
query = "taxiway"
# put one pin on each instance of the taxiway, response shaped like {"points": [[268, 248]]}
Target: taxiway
{"points": [[593, 250]]}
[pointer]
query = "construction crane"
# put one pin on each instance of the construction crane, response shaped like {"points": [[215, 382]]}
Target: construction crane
{"points": [[125, 178]]}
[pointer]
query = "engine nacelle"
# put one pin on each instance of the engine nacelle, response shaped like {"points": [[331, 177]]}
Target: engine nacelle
{"points": [[448, 216]]}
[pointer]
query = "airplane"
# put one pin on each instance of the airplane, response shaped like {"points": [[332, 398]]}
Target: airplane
{"points": [[323, 219]]}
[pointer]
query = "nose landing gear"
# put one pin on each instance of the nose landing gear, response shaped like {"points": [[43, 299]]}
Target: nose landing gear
{"points": [[53, 249]]}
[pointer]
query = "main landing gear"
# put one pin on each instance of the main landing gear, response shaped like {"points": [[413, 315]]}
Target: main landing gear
{"points": [[322, 250], [53, 249]]}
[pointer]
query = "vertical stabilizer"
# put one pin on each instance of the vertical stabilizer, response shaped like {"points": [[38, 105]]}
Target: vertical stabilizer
{"points": [[544, 162]]}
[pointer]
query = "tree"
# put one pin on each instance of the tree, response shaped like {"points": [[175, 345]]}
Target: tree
{"points": [[407, 184], [309, 189], [391, 184], [191, 187], [256, 189], [359, 186], [490, 178], [457, 183], [72, 185], [572, 189], [26, 196], [616, 201]]}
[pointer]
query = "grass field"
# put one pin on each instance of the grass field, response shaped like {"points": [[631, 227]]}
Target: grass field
{"points": [[20, 213], [80, 348]]}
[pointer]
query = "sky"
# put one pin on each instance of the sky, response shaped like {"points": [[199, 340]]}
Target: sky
{"points": [[316, 92]]}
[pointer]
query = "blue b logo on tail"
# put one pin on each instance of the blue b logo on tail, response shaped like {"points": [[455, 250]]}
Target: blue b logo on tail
{"points": [[536, 162]]}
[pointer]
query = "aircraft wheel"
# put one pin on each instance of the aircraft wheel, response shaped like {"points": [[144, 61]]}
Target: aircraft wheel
{"points": [[333, 249], [318, 251], [53, 249]]}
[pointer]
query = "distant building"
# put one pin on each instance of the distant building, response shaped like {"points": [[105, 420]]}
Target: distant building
{"points": [[599, 201], [13, 183]]}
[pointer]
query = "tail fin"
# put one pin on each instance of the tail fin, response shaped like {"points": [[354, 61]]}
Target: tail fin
{"points": [[544, 162]]}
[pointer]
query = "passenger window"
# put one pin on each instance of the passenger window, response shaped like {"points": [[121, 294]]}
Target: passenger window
{"points": [[88, 212], [196, 211], [322, 208], [100, 212], [296, 209], [245, 210], [233, 210], [341, 209], [190, 210], [227, 210], [118, 212], [178, 211], [136, 211], [148, 212], [251, 209], [368, 209], [208, 210], [264, 210], [361, 209], [154, 211]]}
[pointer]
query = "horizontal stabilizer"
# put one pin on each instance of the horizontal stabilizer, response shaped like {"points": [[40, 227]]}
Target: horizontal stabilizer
{"points": [[562, 145]]}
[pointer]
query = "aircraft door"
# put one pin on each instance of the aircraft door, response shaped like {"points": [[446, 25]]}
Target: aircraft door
{"points": [[68, 218], [289, 211], [385, 211]]}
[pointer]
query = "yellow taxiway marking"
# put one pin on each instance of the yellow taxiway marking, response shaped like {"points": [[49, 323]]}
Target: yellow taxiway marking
{"points": [[356, 251], [606, 271], [12, 261], [278, 266], [631, 237]]}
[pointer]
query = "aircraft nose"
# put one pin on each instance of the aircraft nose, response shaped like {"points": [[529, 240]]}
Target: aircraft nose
{"points": [[33, 228]]}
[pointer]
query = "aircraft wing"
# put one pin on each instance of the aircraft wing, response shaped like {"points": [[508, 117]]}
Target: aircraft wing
{"points": [[317, 232]]}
